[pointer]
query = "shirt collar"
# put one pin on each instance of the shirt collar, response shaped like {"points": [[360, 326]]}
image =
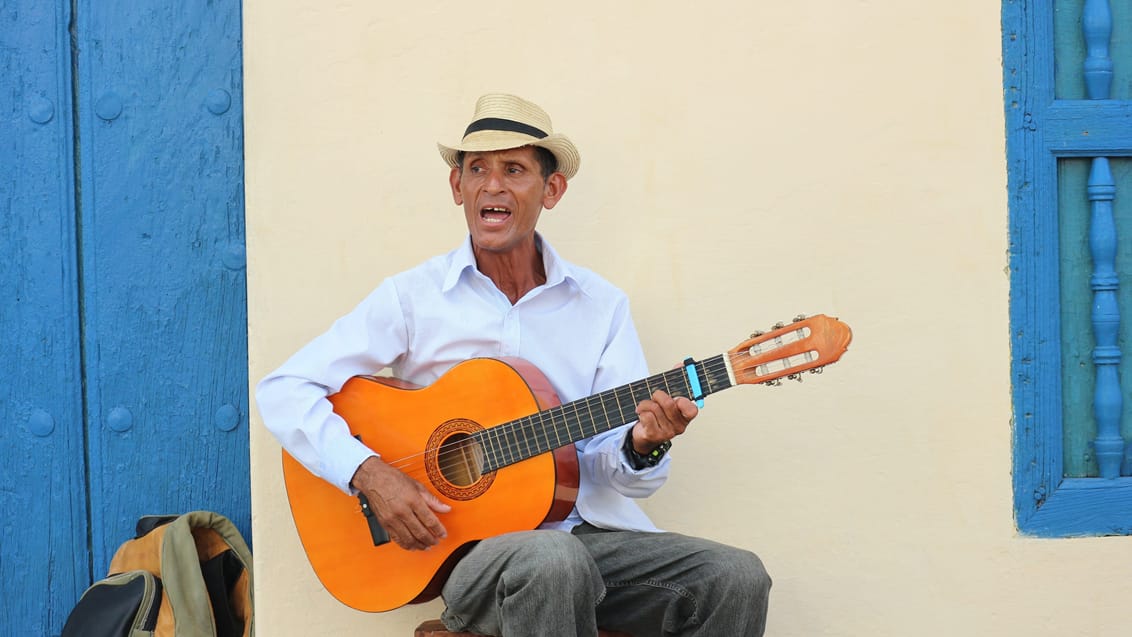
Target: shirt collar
{"points": [[464, 259]]}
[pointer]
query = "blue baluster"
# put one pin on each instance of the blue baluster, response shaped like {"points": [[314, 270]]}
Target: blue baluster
{"points": [[1107, 401], [1096, 22]]}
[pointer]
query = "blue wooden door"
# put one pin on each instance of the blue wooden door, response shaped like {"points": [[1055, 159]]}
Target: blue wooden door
{"points": [[122, 275]]}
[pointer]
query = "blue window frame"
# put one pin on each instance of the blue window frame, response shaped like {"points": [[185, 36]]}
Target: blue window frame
{"points": [[1066, 70]]}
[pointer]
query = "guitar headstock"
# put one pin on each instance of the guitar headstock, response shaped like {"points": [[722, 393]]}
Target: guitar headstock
{"points": [[806, 344]]}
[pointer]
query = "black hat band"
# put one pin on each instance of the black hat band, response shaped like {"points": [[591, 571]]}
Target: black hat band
{"points": [[509, 125]]}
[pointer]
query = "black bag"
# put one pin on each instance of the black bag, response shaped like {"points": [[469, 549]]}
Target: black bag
{"points": [[187, 575]]}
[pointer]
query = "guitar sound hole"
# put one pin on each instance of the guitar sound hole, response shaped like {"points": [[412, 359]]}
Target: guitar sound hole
{"points": [[461, 460]]}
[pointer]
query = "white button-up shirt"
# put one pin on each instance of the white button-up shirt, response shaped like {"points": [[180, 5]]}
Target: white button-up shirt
{"points": [[575, 328]]}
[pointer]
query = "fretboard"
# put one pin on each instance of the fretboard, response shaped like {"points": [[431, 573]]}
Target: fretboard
{"points": [[565, 424]]}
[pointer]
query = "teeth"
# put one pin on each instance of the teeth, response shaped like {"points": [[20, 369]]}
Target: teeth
{"points": [[494, 210]]}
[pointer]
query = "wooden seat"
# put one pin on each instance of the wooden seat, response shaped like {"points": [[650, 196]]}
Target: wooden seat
{"points": [[435, 628]]}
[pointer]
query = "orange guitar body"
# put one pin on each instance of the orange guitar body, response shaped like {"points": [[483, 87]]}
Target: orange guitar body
{"points": [[406, 425]]}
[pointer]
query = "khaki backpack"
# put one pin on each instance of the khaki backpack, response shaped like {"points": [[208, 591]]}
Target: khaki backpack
{"points": [[181, 576]]}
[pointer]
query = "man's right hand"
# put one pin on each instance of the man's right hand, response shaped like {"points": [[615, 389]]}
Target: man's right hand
{"points": [[406, 510]]}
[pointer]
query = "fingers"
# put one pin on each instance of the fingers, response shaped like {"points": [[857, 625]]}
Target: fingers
{"points": [[411, 522], [688, 409], [671, 409], [429, 523], [675, 413], [403, 506], [662, 418], [434, 502]]}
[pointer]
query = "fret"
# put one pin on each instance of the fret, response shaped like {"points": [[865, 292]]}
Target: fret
{"points": [[522, 446], [619, 397], [577, 414], [626, 402], [559, 419], [677, 379], [715, 374], [491, 452], [545, 445], [644, 393], [705, 378], [487, 441], [589, 408], [538, 445], [491, 436], [632, 393], [566, 427], [512, 440], [557, 436], [559, 426], [540, 425], [526, 431], [485, 444], [652, 383], [530, 433], [604, 409]]}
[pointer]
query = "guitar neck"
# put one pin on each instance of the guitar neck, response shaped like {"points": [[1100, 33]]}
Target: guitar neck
{"points": [[565, 424]]}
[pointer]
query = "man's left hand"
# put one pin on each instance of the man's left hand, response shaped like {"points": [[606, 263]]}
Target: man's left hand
{"points": [[661, 419]]}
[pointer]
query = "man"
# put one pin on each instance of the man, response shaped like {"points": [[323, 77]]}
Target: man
{"points": [[506, 292]]}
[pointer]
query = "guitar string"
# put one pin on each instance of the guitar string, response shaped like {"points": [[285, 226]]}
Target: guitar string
{"points": [[717, 367], [414, 463], [449, 458]]}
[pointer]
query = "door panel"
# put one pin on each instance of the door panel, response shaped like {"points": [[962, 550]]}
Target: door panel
{"points": [[43, 556], [163, 263]]}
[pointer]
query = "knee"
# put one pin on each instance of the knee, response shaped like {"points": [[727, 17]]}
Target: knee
{"points": [[552, 559], [754, 578], [739, 572]]}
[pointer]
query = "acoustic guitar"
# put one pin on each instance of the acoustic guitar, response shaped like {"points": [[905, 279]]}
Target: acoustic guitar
{"points": [[491, 440]]}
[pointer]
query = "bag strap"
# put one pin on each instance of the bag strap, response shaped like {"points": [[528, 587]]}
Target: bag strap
{"points": [[146, 524], [185, 587], [220, 576]]}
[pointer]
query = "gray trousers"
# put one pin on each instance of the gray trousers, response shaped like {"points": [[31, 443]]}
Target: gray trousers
{"points": [[555, 584]]}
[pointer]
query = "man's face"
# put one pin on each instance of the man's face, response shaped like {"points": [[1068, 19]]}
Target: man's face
{"points": [[503, 193]]}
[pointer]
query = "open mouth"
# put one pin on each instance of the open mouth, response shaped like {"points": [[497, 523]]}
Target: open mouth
{"points": [[494, 214]]}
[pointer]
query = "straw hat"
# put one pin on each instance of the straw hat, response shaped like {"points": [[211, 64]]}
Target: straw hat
{"points": [[505, 121]]}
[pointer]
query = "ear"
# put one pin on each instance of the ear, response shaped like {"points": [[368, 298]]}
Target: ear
{"points": [[454, 181], [553, 190]]}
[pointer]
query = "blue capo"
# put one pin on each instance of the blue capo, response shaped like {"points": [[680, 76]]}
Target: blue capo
{"points": [[694, 382]]}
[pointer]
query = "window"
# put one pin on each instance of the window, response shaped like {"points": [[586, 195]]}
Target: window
{"points": [[1067, 69]]}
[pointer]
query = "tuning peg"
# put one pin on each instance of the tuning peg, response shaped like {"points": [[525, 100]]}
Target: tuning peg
{"points": [[800, 317], [773, 383], [817, 370], [797, 377], [779, 325], [757, 333]]}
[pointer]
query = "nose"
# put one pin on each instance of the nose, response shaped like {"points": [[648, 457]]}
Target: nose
{"points": [[494, 181]]}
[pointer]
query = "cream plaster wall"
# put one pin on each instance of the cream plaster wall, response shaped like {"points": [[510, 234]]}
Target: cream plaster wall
{"points": [[742, 163]]}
